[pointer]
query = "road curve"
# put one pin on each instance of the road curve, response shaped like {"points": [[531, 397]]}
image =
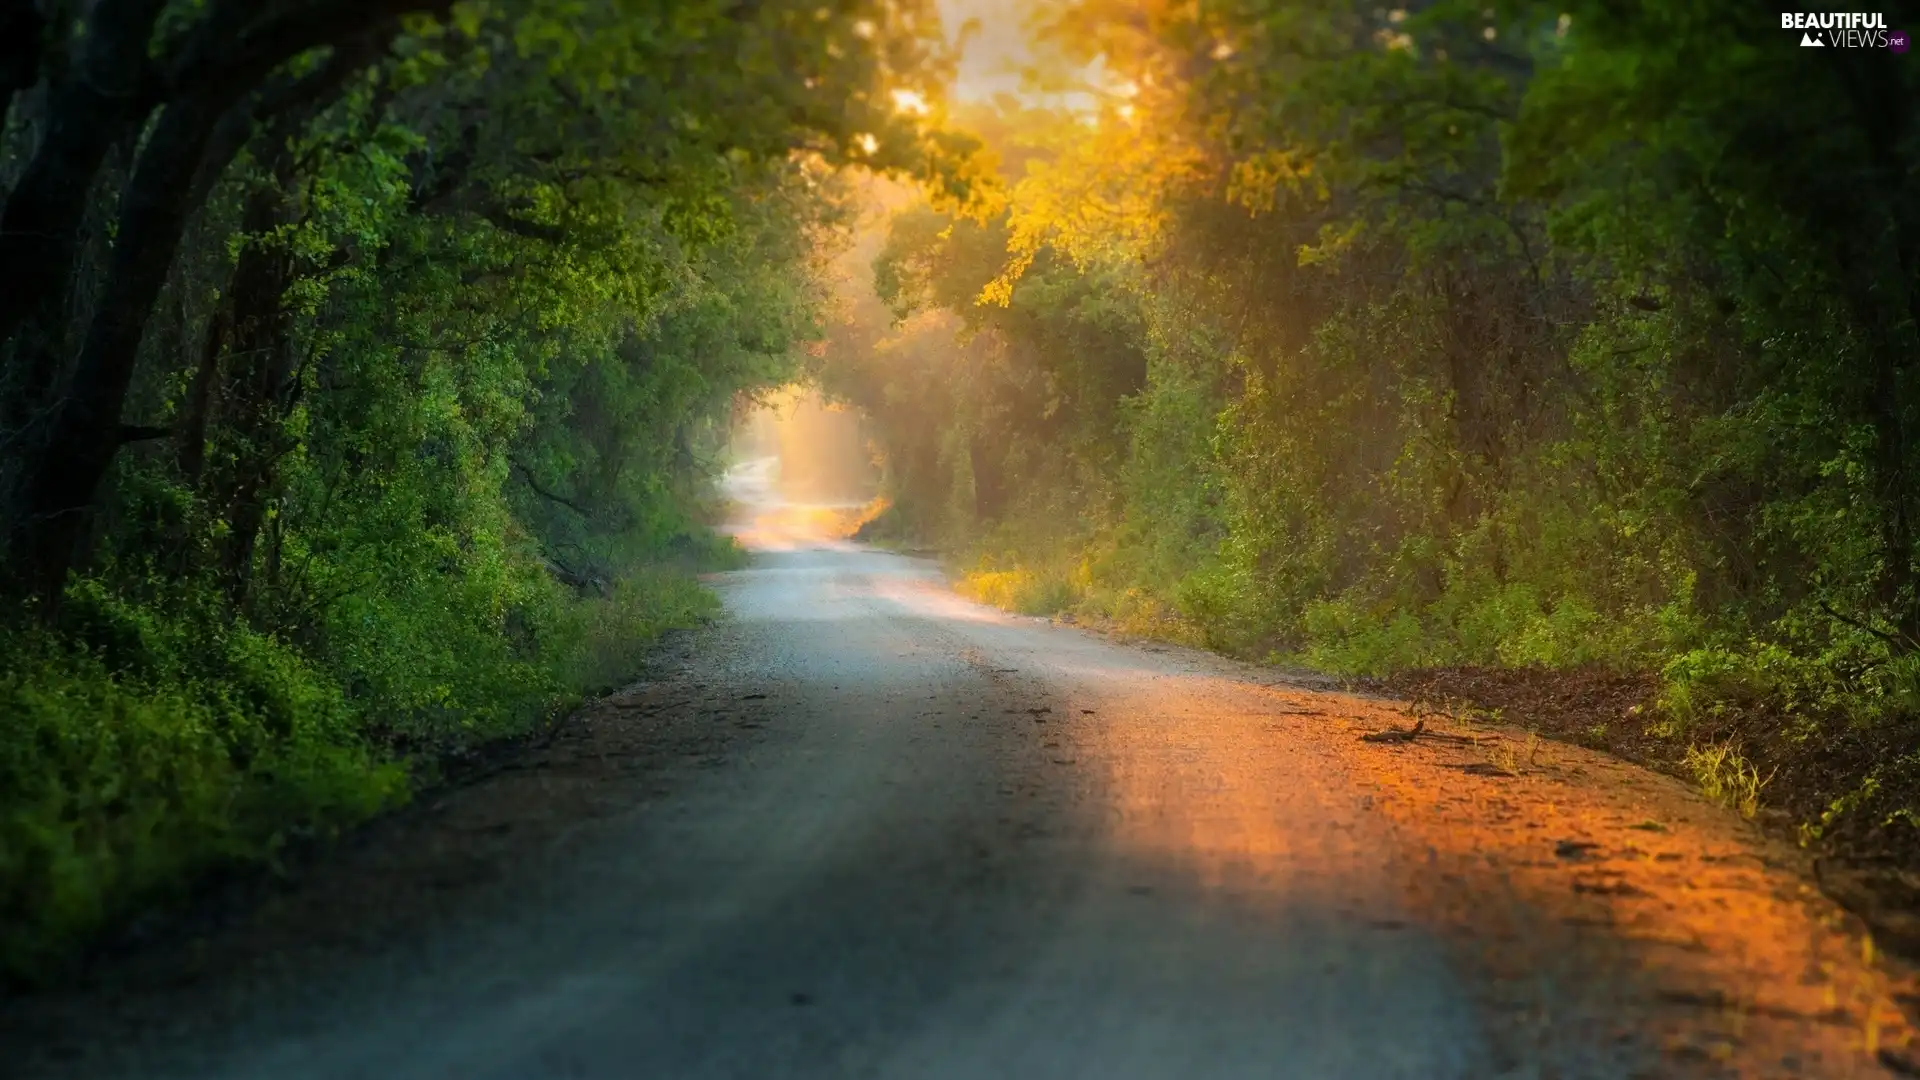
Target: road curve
{"points": [[943, 842]]}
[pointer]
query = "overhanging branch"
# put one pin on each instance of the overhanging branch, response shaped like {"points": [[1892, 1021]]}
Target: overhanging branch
{"points": [[527, 477], [498, 217]]}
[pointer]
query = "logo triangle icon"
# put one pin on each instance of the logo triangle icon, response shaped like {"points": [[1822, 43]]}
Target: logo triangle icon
{"points": [[1809, 41]]}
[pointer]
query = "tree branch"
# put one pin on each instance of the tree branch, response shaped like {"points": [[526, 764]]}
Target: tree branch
{"points": [[499, 218], [236, 45], [291, 102], [526, 476], [1893, 641]]}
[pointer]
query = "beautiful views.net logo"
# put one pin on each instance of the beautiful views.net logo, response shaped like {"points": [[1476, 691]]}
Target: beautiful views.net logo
{"points": [[1844, 30]]}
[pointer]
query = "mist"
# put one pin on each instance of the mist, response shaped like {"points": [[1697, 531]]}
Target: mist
{"points": [[814, 452]]}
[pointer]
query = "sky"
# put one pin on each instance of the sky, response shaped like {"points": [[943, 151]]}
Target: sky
{"points": [[996, 49]]}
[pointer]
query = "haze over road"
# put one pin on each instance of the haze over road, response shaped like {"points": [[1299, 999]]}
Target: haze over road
{"points": [[944, 842]]}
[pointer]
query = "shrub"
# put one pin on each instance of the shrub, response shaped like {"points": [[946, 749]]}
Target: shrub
{"points": [[1021, 590], [118, 786]]}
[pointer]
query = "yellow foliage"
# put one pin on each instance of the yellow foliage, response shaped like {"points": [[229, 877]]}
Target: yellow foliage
{"points": [[1105, 196], [995, 588], [1256, 180]]}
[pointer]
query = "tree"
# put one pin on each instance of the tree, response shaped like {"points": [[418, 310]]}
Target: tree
{"points": [[590, 107]]}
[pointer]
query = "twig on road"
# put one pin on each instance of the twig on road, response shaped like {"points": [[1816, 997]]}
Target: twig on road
{"points": [[1396, 734], [1419, 731]]}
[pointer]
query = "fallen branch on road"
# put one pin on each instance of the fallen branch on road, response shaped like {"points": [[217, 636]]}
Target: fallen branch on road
{"points": [[1396, 734], [1419, 731]]}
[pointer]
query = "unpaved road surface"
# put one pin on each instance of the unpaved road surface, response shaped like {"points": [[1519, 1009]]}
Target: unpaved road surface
{"points": [[865, 829]]}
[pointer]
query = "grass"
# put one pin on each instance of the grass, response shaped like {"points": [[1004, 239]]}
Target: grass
{"points": [[1514, 760], [1726, 777], [117, 787], [615, 632], [1504, 757]]}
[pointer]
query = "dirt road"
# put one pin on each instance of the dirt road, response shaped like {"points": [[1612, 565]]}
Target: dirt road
{"points": [[866, 829]]}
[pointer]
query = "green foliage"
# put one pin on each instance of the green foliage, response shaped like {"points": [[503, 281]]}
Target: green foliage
{"points": [[612, 635], [140, 748], [199, 746], [1345, 639], [444, 371], [1522, 336]]}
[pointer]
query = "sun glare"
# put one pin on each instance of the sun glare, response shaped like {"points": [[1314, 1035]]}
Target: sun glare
{"points": [[998, 56]]}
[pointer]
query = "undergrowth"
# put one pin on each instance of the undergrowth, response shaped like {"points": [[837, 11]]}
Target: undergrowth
{"points": [[141, 747]]}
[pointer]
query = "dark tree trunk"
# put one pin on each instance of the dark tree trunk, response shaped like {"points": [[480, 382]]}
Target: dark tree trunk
{"points": [[80, 442], [256, 384], [196, 416], [989, 477], [64, 468], [21, 39], [100, 102]]}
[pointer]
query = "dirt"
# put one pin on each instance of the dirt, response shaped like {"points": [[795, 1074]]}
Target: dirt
{"points": [[1871, 867], [1747, 968]]}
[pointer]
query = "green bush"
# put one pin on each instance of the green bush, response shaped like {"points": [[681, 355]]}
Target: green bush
{"points": [[117, 787], [1213, 600], [143, 745], [1345, 639]]}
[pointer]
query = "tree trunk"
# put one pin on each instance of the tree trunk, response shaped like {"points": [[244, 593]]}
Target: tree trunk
{"points": [[258, 368], [21, 31], [83, 433], [64, 468], [198, 412], [99, 103], [258, 382]]}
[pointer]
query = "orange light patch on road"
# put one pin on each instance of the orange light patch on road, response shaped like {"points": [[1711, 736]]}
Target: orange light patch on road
{"points": [[1630, 870]]}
